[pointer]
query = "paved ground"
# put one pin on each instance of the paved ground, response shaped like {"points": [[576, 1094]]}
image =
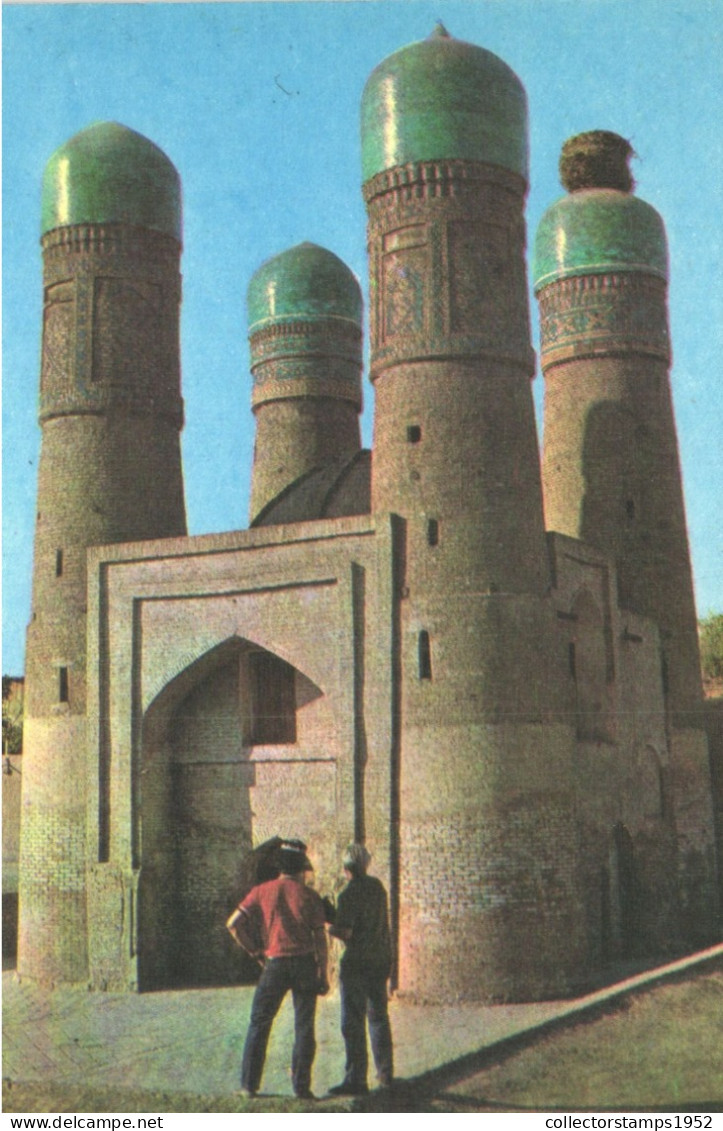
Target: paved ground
{"points": [[191, 1040]]}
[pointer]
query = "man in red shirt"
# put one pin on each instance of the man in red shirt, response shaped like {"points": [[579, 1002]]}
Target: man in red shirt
{"points": [[282, 921]]}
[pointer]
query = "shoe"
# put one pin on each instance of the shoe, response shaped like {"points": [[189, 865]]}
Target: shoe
{"points": [[246, 1093], [386, 1081], [347, 1089], [305, 1095]]}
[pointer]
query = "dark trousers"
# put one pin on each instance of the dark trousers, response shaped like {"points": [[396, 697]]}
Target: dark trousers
{"points": [[364, 999], [278, 976]]}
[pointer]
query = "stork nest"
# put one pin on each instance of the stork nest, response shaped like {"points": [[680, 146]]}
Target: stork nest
{"points": [[596, 159]]}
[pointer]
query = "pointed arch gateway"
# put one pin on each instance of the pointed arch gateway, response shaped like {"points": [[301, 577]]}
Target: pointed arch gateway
{"points": [[224, 761]]}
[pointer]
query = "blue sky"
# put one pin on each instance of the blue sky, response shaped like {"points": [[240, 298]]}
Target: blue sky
{"points": [[257, 105]]}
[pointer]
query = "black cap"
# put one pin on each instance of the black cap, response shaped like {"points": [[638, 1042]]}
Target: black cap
{"points": [[293, 858]]}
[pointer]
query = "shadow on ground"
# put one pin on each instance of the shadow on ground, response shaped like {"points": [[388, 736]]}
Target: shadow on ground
{"points": [[649, 1044]]}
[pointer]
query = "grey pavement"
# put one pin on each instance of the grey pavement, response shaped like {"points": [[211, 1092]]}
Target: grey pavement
{"points": [[191, 1040]]}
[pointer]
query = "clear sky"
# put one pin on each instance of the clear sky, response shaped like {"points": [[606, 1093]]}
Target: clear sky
{"points": [[257, 105]]}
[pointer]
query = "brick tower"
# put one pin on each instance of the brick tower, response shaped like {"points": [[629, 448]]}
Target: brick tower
{"points": [[611, 470], [484, 756], [304, 310], [110, 471]]}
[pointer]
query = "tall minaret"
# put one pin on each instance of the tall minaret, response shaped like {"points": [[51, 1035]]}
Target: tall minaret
{"points": [[486, 837], [305, 310], [611, 469], [110, 471]]}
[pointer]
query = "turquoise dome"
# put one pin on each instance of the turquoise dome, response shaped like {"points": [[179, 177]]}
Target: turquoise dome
{"points": [[305, 282], [108, 173], [595, 231], [443, 99]]}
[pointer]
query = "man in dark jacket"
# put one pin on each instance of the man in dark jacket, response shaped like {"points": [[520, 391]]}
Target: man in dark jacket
{"points": [[362, 923], [281, 922]]}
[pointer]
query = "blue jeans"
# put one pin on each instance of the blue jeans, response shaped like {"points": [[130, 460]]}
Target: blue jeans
{"points": [[364, 999], [279, 975]]}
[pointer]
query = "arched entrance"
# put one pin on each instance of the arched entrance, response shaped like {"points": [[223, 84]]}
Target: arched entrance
{"points": [[197, 820]]}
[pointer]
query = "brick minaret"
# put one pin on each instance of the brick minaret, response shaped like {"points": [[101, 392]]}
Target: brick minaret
{"points": [[483, 789], [305, 331], [110, 471], [611, 470]]}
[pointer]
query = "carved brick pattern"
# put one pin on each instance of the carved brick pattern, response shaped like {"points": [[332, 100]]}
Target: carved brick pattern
{"points": [[321, 357], [119, 346], [58, 337], [480, 283], [320, 337], [298, 369], [83, 329], [127, 333], [336, 327], [297, 377], [109, 239], [438, 307], [613, 313], [403, 282], [427, 180], [445, 280]]}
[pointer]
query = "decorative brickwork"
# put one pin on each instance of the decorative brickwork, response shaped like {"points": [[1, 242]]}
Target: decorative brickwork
{"points": [[280, 375], [446, 275], [450, 355], [588, 315], [326, 337], [110, 337]]}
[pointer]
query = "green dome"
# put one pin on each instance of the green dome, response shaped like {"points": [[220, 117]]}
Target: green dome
{"points": [[305, 282], [110, 174], [594, 231], [443, 99]]}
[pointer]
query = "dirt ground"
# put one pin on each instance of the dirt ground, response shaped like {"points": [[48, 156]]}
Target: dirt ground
{"points": [[654, 1050]]}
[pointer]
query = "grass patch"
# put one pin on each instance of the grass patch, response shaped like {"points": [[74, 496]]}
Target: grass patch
{"points": [[660, 1048]]}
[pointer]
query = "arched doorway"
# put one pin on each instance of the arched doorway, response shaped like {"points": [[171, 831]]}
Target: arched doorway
{"points": [[197, 822]]}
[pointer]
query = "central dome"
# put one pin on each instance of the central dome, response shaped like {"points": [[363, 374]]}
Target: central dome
{"points": [[307, 281], [443, 99]]}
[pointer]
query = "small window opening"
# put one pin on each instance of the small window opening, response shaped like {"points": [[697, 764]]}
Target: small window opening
{"points": [[58, 563], [665, 676], [273, 697], [425, 656], [572, 660], [414, 433], [433, 532], [62, 685], [630, 509]]}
